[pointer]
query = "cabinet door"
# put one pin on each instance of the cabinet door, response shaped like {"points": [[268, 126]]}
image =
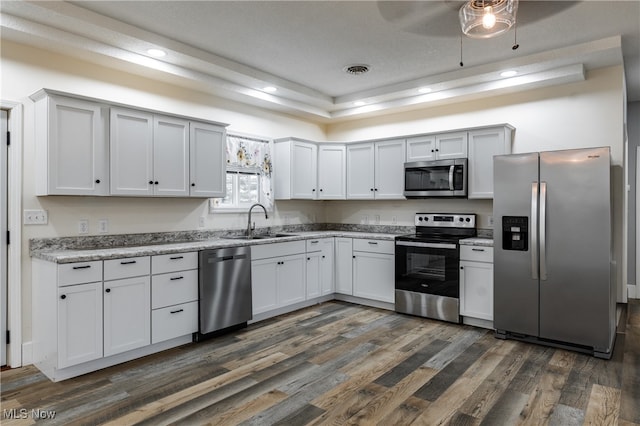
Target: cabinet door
{"points": [[389, 169], [264, 288], [131, 151], [304, 158], [451, 145], [291, 277], [327, 281], [360, 172], [344, 265], [170, 156], [332, 163], [421, 148], [79, 324], [373, 276], [483, 146], [76, 144], [208, 165], [476, 290], [127, 314], [314, 274]]}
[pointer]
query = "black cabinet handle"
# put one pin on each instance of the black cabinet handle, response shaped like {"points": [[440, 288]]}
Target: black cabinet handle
{"points": [[462, 267], [176, 258], [321, 190], [82, 267], [156, 182], [432, 150], [375, 189], [97, 180], [373, 243], [150, 182], [179, 310], [323, 257], [175, 278], [371, 189], [313, 190], [64, 296], [193, 184], [477, 249], [437, 150], [354, 257], [108, 290], [128, 262]]}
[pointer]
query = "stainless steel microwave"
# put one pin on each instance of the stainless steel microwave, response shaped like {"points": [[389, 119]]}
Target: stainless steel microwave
{"points": [[440, 178]]}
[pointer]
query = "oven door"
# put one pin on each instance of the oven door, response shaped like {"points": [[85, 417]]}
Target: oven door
{"points": [[431, 268]]}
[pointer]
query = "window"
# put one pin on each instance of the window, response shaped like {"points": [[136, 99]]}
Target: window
{"points": [[248, 175]]}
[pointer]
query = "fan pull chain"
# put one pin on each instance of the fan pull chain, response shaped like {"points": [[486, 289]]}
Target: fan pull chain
{"points": [[461, 63]]}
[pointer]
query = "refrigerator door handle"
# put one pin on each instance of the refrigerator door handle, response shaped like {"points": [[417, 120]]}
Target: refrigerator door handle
{"points": [[534, 230], [543, 230], [451, 169]]}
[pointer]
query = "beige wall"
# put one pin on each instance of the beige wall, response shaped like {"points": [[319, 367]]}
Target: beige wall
{"points": [[576, 115]]}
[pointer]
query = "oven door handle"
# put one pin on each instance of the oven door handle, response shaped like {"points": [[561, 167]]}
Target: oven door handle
{"points": [[427, 245]]}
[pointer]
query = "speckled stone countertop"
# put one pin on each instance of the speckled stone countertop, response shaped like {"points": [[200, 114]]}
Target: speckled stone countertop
{"points": [[59, 254], [484, 242]]}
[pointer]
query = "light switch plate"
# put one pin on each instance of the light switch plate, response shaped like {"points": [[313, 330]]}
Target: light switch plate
{"points": [[103, 226], [83, 226], [35, 217]]}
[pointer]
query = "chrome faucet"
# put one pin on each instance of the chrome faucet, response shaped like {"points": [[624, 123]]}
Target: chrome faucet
{"points": [[250, 228]]}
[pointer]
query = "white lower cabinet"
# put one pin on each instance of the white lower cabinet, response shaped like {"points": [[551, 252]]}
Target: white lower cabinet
{"points": [[344, 265], [476, 282], [79, 324], [277, 275], [319, 268], [127, 314], [374, 269], [174, 321]]}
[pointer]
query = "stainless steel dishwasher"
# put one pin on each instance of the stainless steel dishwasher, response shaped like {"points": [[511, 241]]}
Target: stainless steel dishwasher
{"points": [[224, 288]]}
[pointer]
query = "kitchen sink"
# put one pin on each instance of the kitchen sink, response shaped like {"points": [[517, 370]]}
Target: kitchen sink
{"points": [[260, 237]]}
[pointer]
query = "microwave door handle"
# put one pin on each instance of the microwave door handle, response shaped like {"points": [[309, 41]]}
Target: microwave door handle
{"points": [[451, 169]]}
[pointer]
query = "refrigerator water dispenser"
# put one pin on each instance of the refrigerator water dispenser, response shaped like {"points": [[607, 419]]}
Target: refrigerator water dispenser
{"points": [[515, 233]]}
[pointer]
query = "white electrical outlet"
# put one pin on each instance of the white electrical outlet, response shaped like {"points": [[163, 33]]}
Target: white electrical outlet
{"points": [[201, 222], [83, 226], [394, 220], [35, 217], [287, 219], [376, 219], [364, 220], [490, 220], [103, 226]]}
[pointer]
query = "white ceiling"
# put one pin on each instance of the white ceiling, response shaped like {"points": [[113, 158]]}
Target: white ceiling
{"points": [[234, 49]]}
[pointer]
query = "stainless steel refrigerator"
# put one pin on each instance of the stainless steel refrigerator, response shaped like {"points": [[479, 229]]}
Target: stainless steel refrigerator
{"points": [[552, 249]]}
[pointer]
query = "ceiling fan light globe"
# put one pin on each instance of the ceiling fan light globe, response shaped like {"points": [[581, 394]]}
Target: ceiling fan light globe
{"points": [[487, 18]]}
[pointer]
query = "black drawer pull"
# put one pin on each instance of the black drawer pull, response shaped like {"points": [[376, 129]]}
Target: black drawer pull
{"points": [[82, 267], [64, 296], [314, 242], [178, 311], [477, 249], [175, 278], [176, 258], [373, 243], [108, 290], [129, 262]]}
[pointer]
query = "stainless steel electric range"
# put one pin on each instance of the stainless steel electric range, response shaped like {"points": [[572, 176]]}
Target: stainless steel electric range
{"points": [[427, 282]]}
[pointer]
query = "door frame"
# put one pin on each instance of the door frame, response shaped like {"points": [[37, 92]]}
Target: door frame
{"points": [[14, 251], [637, 292]]}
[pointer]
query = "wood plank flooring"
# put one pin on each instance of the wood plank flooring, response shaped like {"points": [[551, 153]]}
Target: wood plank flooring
{"points": [[343, 364]]}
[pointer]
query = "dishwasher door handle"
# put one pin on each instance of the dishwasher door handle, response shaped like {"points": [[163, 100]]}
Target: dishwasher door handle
{"points": [[225, 258]]}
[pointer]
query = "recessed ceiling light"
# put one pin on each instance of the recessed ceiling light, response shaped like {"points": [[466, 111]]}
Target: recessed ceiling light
{"points": [[359, 103], [509, 73], [424, 90], [158, 53], [270, 89]]}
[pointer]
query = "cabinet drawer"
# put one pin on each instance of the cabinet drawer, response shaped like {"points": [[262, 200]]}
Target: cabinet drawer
{"points": [[174, 288], [476, 253], [79, 273], [115, 269], [374, 246], [315, 244], [174, 321], [265, 251], [161, 264]]}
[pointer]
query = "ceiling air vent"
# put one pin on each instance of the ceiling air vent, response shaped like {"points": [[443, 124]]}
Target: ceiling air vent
{"points": [[356, 69]]}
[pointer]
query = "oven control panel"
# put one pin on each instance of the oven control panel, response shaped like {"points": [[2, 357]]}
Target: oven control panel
{"points": [[445, 220]]}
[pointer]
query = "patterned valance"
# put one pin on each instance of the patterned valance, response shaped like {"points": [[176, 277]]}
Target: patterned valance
{"points": [[252, 155]]}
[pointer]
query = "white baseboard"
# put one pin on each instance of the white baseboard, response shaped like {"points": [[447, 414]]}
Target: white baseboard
{"points": [[632, 292], [27, 353]]}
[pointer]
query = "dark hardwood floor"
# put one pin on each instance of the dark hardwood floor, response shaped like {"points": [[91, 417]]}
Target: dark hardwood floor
{"points": [[338, 364]]}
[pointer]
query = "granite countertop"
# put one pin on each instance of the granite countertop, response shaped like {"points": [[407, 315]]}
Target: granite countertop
{"points": [[484, 242], [85, 255]]}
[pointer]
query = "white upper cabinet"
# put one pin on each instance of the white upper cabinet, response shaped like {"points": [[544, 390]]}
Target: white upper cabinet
{"points": [[170, 156], [437, 147], [376, 170], [71, 146], [131, 152], [389, 169], [208, 160], [484, 144], [332, 172], [295, 170]]}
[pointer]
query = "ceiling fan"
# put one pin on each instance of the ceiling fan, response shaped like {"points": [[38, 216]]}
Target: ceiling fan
{"points": [[442, 18]]}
